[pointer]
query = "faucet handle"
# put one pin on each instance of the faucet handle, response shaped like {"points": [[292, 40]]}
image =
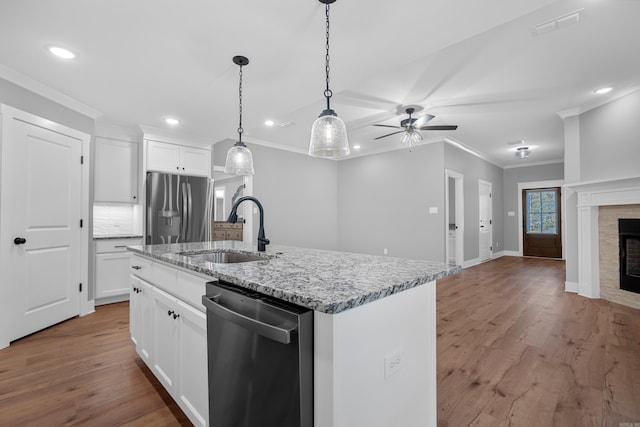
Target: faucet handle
{"points": [[264, 240]]}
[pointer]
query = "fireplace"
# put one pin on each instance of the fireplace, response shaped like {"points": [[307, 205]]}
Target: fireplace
{"points": [[629, 237]]}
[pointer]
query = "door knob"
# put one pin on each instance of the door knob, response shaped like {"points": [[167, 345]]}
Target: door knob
{"points": [[19, 240]]}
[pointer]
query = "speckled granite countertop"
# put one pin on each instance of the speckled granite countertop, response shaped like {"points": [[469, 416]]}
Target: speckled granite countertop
{"points": [[325, 281]]}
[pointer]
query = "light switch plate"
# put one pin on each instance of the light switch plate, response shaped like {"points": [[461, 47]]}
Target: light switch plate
{"points": [[511, 213], [433, 210]]}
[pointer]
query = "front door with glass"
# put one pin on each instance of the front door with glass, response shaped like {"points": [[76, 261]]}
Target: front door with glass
{"points": [[542, 235]]}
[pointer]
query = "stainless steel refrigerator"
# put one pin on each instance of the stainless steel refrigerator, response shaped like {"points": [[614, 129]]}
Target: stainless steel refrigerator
{"points": [[179, 208]]}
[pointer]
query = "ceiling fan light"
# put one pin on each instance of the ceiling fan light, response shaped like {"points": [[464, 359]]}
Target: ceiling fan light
{"points": [[329, 137], [239, 160]]}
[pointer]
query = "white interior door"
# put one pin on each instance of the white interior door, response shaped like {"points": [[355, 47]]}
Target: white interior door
{"points": [[41, 198], [486, 223]]}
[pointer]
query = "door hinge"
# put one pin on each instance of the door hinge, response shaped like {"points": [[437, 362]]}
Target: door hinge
{"points": [[80, 223], [490, 195], [491, 248], [82, 160], [490, 222], [80, 288]]}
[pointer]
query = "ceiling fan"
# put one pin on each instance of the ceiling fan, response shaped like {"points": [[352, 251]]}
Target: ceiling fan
{"points": [[411, 126]]}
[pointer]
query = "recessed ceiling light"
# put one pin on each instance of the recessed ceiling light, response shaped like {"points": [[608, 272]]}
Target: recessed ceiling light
{"points": [[603, 90], [171, 121], [61, 52], [357, 147], [269, 123]]}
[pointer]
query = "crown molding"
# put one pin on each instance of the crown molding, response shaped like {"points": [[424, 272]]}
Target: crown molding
{"points": [[45, 91]]}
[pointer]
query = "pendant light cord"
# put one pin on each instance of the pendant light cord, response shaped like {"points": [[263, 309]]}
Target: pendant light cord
{"points": [[327, 93], [240, 130]]}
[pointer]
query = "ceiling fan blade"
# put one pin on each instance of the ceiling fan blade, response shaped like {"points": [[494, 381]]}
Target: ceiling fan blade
{"points": [[389, 134], [440, 127], [420, 121], [388, 126]]}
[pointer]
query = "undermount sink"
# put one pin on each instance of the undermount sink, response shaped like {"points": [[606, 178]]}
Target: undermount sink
{"points": [[217, 257]]}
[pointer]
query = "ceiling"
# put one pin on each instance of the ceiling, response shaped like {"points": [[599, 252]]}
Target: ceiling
{"points": [[478, 65]]}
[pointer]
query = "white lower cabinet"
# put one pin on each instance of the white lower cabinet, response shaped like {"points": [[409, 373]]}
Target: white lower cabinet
{"points": [[192, 376], [170, 334], [165, 337], [140, 320], [112, 269]]}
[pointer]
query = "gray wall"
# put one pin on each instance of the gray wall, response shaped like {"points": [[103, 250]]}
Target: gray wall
{"points": [[299, 195], [512, 177], [610, 140], [474, 169], [30, 102], [384, 200]]}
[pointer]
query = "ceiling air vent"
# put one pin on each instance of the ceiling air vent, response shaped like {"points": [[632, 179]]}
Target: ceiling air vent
{"points": [[559, 22]]}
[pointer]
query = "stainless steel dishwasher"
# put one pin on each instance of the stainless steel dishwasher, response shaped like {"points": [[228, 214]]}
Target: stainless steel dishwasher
{"points": [[260, 353]]}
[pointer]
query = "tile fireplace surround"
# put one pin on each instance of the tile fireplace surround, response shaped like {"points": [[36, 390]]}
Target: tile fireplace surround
{"points": [[599, 206]]}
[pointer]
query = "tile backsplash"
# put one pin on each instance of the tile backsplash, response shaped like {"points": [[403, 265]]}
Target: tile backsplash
{"points": [[114, 220]]}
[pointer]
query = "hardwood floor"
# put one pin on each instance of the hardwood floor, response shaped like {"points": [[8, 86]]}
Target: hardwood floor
{"points": [[513, 349], [82, 372]]}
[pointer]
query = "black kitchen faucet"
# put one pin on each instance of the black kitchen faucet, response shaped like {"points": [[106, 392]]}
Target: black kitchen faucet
{"points": [[233, 218]]}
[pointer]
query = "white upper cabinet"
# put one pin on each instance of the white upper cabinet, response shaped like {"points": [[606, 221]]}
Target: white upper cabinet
{"points": [[180, 159], [116, 171]]}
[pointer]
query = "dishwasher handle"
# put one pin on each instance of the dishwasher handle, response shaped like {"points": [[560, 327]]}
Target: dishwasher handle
{"points": [[276, 333]]}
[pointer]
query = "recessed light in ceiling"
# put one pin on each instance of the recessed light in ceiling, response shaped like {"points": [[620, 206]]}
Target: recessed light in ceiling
{"points": [[172, 121], [603, 90], [61, 52], [269, 123], [357, 147]]}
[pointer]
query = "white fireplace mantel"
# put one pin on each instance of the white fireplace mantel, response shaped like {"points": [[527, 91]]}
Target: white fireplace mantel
{"points": [[592, 195]]}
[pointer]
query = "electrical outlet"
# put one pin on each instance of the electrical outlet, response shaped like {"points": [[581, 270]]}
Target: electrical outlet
{"points": [[433, 210], [392, 363], [385, 251]]}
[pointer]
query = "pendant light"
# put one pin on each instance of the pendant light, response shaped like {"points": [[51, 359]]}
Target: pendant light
{"points": [[239, 158], [329, 133]]}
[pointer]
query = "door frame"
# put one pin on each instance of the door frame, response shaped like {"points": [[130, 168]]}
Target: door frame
{"points": [[482, 182], [540, 184], [459, 215], [7, 112]]}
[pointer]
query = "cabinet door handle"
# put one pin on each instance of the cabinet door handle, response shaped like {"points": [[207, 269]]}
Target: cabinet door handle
{"points": [[175, 316], [170, 312], [136, 267], [120, 246], [19, 241]]}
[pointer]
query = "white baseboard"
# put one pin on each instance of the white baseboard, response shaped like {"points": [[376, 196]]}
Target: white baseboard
{"points": [[110, 300], [512, 253], [571, 287], [497, 254], [471, 263]]}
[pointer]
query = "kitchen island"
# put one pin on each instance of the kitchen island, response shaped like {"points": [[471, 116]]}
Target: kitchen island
{"points": [[374, 324]]}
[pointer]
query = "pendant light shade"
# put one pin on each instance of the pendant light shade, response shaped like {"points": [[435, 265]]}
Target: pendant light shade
{"points": [[239, 157], [329, 137], [329, 133], [239, 160]]}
